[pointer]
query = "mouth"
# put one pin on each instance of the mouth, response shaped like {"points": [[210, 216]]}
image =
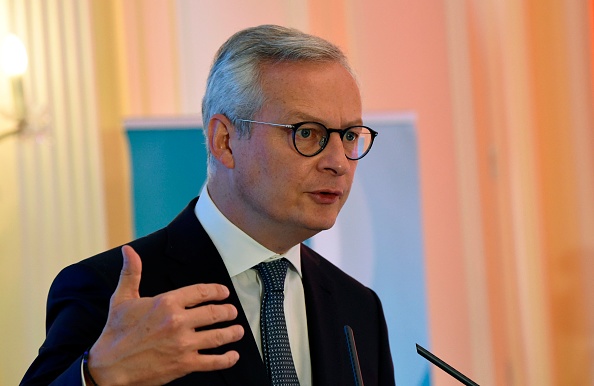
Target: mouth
{"points": [[326, 196]]}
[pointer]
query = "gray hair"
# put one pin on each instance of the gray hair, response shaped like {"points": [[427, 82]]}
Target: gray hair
{"points": [[234, 87]]}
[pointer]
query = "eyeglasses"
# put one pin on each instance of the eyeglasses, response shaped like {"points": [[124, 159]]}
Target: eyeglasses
{"points": [[310, 138]]}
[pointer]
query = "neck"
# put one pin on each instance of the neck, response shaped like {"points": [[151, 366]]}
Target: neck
{"points": [[277, 237]]}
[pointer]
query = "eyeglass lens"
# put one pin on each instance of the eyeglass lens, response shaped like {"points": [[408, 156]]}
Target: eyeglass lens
{"points": [[311, 137]]}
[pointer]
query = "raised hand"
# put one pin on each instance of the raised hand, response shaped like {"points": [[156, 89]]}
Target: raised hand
{"points": [[152, 341]]}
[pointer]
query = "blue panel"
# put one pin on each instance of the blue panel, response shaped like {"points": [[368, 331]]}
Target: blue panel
{"points": [[399, 274], [168, 170], [378, 240], [426, 381]]}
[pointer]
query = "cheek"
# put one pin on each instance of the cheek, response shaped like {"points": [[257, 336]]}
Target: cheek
{"points": [[349, 184], [262, 174], [350, 174], [272, 167]]}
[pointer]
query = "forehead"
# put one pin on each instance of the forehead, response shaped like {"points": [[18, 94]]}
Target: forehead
{"points": [[323, 90]]}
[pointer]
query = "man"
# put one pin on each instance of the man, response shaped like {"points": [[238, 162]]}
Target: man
{"points": [[276, 178]]}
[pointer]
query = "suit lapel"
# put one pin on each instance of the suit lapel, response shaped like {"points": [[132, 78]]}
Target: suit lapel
{"points": [[326, 336], [193, 259]]}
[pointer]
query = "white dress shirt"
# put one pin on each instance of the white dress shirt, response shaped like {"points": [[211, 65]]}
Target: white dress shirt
{"points": [[241, 253]]}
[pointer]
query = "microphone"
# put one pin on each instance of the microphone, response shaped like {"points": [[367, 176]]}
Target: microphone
{"points": [[350, 339], [445, 367]]}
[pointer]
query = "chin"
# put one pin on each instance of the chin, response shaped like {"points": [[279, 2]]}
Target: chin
{"points": [[318, 220], [319, 226]]}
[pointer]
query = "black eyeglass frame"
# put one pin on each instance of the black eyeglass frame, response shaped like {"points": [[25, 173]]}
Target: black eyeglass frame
{"points": [[341, 132]]}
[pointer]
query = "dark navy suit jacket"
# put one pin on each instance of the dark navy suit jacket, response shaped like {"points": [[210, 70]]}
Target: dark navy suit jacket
{"points": [[182, 254]]}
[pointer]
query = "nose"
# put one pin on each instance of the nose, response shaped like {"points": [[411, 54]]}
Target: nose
{"points": [[332, 158]]}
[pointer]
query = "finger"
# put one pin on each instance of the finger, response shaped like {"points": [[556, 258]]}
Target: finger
{"points": [[217, 337], [195, 294], [207, 362], [210, 314], [129, 276]]}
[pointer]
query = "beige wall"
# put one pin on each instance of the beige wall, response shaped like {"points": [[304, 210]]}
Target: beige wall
{"points": [[12, 307], [503, 91], [52, 209]]}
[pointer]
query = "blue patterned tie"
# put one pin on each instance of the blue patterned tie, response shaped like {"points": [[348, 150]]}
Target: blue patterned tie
{"points": [[275, 339]]}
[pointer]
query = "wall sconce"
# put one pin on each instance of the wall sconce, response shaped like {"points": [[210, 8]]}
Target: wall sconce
{"points": [[14, 62]]}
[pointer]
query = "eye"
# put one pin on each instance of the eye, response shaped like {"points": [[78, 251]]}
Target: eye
{"points": [[350, 136], [304, 132]]}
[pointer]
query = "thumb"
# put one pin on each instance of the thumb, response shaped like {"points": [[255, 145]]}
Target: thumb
{"points": [[129, 276]]}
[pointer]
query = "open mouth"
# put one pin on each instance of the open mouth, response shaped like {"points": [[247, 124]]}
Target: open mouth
{"points": [[326, 197]]}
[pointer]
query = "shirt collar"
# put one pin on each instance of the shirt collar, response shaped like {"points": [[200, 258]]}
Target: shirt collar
{"points": [[238, 250]]}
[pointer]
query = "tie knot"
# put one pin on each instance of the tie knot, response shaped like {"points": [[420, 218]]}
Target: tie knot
{"points": [[273, 274]]}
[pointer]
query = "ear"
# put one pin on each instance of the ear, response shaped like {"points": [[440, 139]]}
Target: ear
{"points": [[219, 132]]}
